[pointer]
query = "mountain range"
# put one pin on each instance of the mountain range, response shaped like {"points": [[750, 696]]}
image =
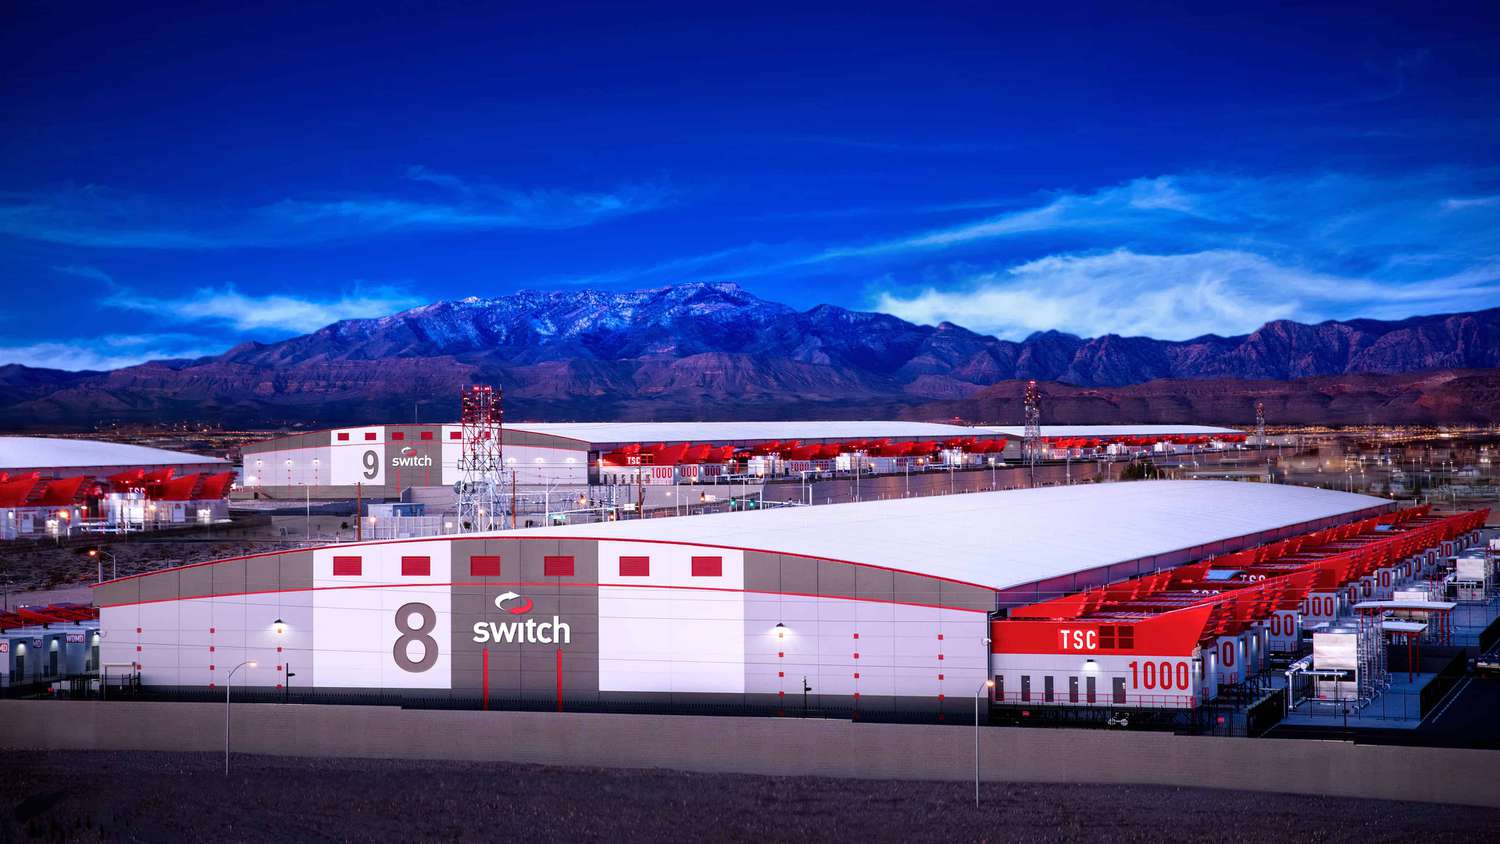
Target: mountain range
{"points": [[714, 350]]}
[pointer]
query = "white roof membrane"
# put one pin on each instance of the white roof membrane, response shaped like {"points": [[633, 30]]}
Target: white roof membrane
{"points": [[726, 432], [46, 453], [1002, 539]]}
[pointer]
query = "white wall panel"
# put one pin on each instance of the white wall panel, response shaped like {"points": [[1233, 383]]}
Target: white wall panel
{"points": [[355, 616], [360, 458]]}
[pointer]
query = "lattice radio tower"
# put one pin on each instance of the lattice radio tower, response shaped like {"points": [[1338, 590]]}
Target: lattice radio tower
{"points": [[479, 492], [1260, 423], [1031, 443]]}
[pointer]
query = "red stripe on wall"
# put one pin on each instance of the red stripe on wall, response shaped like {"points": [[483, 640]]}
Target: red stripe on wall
{"points": [[577, 584]]}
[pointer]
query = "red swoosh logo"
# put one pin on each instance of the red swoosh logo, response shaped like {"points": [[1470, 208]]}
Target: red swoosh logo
{"points": [[522, 609]]}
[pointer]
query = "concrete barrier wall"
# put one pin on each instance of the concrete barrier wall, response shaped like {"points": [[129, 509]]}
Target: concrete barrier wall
{"points": [[764, 746]]}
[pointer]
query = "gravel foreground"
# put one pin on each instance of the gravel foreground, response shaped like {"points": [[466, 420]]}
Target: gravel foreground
{"points": [[114, 796]]}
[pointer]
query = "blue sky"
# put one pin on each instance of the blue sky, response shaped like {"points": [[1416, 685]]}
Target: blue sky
{"points": [[177, 179]]}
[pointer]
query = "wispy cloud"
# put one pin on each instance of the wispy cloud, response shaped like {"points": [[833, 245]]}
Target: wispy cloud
{"points": [[278, 313], [1175, 296], [85, 271], [1465, 203], [95, 216], [110, 351]]}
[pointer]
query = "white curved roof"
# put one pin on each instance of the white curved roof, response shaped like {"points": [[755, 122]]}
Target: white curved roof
{"points": [[50, 453], [1003, 539], [1111, 430], [726, 432]]}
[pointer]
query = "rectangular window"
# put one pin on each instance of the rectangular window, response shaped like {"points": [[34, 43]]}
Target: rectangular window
{"points": [[426, 435], [635, 566], [1127, 637], [416, 566], [343, 438], [1047, 688], [455, 435], [1025, 688], [347, 566], [1107, 637], [1072, 690], [398, 435], [1119, 689], [484, 565], [557, 566], [1090, 689], [708, 567], [369, 435]]}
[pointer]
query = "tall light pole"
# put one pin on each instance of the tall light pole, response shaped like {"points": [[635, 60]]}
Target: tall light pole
{"points": [[982, 690], [99, 554], [228, 684]]}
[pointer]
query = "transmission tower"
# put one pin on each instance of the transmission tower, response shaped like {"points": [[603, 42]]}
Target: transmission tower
{"points": [[479, 492], [1260, 423], [1031, 443]]}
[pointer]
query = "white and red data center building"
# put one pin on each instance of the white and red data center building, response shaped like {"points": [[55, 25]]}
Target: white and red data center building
{"points": [[1173, 639], [881, 606]]}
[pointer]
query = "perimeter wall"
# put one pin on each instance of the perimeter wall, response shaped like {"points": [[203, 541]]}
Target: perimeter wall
{"points": [[782, 747]]}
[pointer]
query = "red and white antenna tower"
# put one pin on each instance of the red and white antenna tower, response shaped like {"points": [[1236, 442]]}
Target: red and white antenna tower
{"points": [[1260, 423], [1031, 442], [480, 418]]}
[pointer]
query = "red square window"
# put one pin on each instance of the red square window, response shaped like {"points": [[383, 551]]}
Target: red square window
{"points": [[369, 435], [455, 435], [708, 567], [398, 435], [343, 438], [487, 565], [416, 566], [426, 435], [557, 566], [635, 566], [347, 566]]}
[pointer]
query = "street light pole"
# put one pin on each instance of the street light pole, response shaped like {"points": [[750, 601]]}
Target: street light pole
{"points": [[228, 684], [982, 690]]}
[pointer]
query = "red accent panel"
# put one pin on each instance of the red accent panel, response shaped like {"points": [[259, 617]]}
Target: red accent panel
{"points": [[487, 565], [426, 435], [347, 566], [369, 435], [343, 438], [559, 566], [708, 567], [455, 435], [416, 566], [635, 566], [1168, 634], [398, 435]]}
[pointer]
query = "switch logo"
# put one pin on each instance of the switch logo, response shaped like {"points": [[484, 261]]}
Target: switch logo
{"points": [[528, 632]]}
